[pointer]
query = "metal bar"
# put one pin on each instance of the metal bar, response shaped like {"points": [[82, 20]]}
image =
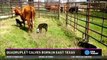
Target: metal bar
{"points": [[67, 4], [1, 6], [59, 10], [89, 29], [89, 35], [11, 8], [74, 16], [38, 9], [90, 22], [87, 23], [93, 16], [102, 31]]}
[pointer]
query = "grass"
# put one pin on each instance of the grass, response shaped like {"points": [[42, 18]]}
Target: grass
{"points": [[11, 36]]}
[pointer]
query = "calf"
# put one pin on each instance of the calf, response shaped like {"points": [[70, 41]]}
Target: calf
{"points": [[18, 22], [42, 25], [86, 45], [73, 9]]}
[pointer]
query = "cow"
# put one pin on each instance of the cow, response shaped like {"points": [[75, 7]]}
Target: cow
{"points": [[47, 7], [52, 7], [66, 8], [27, 13]]}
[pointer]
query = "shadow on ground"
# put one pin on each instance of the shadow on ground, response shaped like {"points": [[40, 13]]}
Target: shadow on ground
{"points": [[22, 28]]}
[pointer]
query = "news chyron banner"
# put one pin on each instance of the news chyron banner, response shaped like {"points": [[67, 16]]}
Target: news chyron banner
{"points": [[53, 53]]}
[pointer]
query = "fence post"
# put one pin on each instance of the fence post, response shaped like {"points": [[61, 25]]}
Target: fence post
{"points": [[59, 11], [67, 13], [20, 3], [11, 8], [87, 22], [1, 7], [38, 9], [102, 30], [75, 17]]}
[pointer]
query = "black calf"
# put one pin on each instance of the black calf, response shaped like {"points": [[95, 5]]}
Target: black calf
{"points": [[86, 45], [42, 25], [73, 9], [18, 22]]}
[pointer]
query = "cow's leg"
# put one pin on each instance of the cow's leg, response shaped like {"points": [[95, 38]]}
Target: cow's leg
{"points": [[23, 23], [31, 25], [40, 30], [28, 23], [46, 29]]}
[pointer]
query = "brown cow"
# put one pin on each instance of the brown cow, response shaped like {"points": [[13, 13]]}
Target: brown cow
{"points": [[47, 7], [52, 7], [27, 14], [55, 7], [17, 11], [66, 8]]}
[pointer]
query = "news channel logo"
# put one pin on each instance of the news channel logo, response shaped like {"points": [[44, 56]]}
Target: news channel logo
{"points": [[86, 52]]}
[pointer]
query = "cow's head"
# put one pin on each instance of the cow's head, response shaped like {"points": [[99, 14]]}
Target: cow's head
{"points": [[17, 11]]}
